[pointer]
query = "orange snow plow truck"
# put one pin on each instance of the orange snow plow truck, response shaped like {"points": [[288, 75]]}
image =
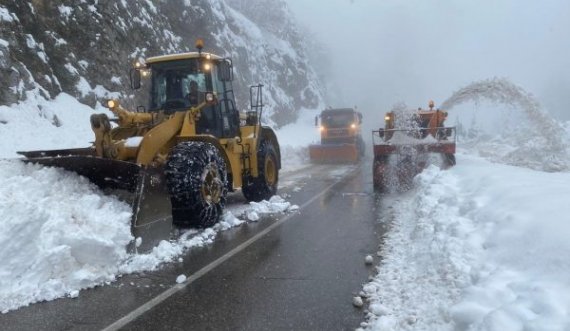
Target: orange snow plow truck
{"points": [[341, 139], [410, 141]]}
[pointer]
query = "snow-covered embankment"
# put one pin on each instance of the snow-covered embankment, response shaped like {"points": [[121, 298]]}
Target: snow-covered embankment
{"points": [[479, 246]]}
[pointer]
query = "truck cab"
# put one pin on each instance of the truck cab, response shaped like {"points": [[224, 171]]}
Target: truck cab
{"points": [[339, 125]]}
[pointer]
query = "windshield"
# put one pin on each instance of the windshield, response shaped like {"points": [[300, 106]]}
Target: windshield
{"points": [[177, 84], [337, 120]]}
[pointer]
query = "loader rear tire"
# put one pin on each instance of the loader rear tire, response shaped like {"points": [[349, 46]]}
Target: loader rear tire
{"points": [[263, 186], [196, 177]]}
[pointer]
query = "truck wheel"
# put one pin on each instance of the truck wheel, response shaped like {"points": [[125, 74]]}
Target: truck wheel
{"points": [[265, 185], [196, 178], [379, 173], [449, 160], [361, 146]]}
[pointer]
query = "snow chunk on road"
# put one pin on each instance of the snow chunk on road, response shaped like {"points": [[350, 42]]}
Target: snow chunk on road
{"points": [[252, 215], [181, 279], [275, 205]]}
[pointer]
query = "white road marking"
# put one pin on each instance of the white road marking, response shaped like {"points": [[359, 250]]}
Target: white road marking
{"points": [[171, 291]]}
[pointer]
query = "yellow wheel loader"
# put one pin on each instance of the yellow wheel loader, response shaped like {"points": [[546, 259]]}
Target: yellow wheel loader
{"points": [[176, 159]]}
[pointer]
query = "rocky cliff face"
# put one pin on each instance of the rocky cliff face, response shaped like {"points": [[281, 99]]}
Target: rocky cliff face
{"points": [[86, 47]]}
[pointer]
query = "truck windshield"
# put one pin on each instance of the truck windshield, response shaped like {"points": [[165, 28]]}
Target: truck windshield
{"points": [[337, 120], [177, 84]]}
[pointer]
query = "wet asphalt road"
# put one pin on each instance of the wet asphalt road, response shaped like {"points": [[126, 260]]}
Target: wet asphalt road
{"points": [[300, 275]]}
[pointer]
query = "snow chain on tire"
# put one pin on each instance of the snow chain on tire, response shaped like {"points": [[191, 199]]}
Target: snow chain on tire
{"points": [[196, 177]]}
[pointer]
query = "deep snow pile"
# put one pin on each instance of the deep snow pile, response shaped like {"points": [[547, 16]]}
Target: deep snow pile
{"points": [[481, 246], [58, 234]]}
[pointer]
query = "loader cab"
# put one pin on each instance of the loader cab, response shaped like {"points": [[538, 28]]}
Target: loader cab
{"points": [[178, 82]]}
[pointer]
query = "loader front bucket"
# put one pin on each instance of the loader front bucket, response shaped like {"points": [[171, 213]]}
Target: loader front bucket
{"points": [[143, 188], [334, 153]]}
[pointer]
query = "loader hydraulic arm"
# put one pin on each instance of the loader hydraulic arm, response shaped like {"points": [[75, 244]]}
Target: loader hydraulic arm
{"points": [[129, 118], [104, 146]]}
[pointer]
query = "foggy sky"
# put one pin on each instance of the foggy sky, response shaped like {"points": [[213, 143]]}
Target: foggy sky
{"points": [[389, 51]]}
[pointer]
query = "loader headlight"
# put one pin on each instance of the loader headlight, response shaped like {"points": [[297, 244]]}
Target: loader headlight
{"points": [[210, 97], [207, 66], [387, 118], [111, 104], [322, 128], [353, 126]]}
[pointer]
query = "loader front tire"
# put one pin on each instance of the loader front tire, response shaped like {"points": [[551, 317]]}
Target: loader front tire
{"points": [[263, 186], [196, 177]]}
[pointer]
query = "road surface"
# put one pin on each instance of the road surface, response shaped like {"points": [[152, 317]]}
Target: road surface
{"points": [[296, 271]]}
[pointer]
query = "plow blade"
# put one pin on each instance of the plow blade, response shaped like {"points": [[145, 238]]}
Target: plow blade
{"points": [[443, 148], [337, 153], [143, 188]]}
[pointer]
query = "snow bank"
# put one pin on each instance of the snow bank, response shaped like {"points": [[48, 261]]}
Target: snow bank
{"points": [[58, 234], [294, 139], [480, 247]]}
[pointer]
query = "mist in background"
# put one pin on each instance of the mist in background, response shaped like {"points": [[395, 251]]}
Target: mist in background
{"points": [[384, 52]]}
